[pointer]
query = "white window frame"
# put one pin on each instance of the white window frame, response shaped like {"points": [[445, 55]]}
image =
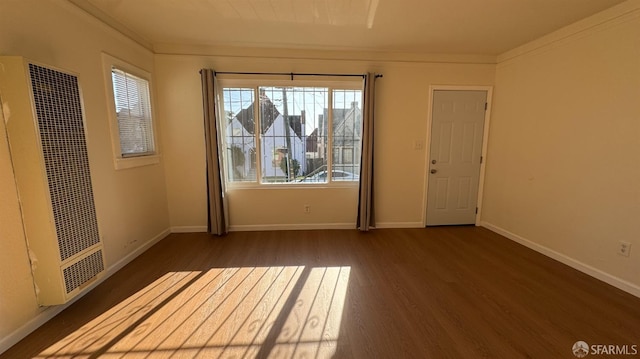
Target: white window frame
{"points": [[335, 83], [123, 162]]}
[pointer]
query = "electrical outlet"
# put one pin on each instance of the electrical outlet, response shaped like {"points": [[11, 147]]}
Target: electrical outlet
{"points": [[307, 209], [624, 248]]}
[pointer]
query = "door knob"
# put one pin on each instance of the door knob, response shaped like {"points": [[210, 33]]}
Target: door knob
{"points": [[434, 171]]}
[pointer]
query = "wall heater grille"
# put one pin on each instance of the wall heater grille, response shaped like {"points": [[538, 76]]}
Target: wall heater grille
{"points": [[60, 123], [45, 126], [81, 271]]}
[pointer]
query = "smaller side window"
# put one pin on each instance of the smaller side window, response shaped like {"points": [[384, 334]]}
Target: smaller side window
{"points": [[128, 91], [133, 111]]}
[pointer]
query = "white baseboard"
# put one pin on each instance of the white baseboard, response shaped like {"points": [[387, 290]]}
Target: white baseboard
{"points": [[131, 256], [619, 283], [294, 227], [291, 227], [20, 333], [50, 312], [399, 225], [188, 229]]}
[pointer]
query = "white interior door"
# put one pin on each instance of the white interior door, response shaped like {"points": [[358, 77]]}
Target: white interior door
{"points": [[457, 124]]}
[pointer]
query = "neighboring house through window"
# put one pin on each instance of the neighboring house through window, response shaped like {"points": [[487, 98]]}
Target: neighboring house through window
{"points": [[291, 132]]}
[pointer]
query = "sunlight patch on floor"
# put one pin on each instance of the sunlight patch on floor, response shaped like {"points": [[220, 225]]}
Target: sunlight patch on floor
{"points": [[278, 312]]}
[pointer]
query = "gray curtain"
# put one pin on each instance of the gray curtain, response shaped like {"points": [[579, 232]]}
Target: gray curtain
{"points": [[366, 212], [217, 215]]}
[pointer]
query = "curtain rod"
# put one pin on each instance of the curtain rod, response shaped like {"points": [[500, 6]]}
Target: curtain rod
{"points": [[292, 74]]}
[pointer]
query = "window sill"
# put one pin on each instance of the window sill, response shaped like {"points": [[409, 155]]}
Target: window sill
{"points": [[291, 186], [132, 162]]}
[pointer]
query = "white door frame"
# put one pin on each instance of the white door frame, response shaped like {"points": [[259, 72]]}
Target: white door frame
{"points": [[485, 138]]}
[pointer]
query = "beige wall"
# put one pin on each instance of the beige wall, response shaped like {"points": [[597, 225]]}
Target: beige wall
{"points": [[131, 204], [563, 169], [17, 299], [401, 119]]}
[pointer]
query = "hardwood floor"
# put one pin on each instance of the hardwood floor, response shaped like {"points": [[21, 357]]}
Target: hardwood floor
{"points": [[444, 292]]}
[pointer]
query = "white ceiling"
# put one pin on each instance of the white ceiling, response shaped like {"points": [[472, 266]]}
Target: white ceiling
{"points": [[478, 27]]}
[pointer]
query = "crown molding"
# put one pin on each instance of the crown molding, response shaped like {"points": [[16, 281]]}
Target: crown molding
{"points": [[319, 54], [111, 22], [615, 15]]}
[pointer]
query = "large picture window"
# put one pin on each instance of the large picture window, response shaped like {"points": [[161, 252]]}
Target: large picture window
{"points": [[296, 133]]}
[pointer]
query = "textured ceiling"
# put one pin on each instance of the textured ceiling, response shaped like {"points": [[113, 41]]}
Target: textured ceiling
{"points": [[479, 27]]}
